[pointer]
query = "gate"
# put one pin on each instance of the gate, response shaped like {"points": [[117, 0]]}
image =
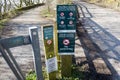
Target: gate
{"points": [[33, 39]]}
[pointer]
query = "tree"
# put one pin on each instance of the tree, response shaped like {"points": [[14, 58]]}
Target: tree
{"points": [[1, 5], [5, 6]]}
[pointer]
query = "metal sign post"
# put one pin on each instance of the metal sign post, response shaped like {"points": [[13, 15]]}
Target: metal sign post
{"points": [[36, 48]]}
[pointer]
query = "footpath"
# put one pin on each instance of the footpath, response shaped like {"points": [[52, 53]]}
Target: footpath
{"points": [[97, 45], [100, 39]]}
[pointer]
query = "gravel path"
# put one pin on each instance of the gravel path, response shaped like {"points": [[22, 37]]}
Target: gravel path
{"points": [[23, 54]]}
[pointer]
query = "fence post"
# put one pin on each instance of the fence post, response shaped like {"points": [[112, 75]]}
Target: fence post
{"points": [[36, 48]]}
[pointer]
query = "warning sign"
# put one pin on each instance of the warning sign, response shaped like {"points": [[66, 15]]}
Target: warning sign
{"points": [[51, 60], [66, 43], [66, 26], [51, 64], [66, 14]]}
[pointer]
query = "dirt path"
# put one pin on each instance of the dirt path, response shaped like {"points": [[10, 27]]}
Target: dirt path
{"points": [[100, 39], [23, 54]]}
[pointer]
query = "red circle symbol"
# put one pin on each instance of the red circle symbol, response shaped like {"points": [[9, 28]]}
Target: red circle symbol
{"points": [[62, 22], [66, 42], [70, 22], [49, 42], [71, 14], [61, 14]]}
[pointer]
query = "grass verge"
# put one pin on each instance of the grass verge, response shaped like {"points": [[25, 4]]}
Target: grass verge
{"points": [[76, 75]]}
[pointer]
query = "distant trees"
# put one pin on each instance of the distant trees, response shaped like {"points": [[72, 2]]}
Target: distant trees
{"points": [[7, 5]]}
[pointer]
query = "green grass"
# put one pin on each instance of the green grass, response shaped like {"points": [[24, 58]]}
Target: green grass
{"points": [[2, 22], [31, 76], [76, 75]]}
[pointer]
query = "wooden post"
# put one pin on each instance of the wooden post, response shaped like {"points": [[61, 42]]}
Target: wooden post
{"points": [[66, 23], [50, 52], [52, 76], [56, 48], [66, 65]]}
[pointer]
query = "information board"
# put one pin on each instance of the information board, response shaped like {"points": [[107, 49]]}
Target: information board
{"points": [[66, 43], [51, 60], [66, 17], [66, 26]]}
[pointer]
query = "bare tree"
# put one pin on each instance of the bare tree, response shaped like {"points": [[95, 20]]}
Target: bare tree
{"points": [[18, 4], [9, 5], [5, 5], [1, 5]]}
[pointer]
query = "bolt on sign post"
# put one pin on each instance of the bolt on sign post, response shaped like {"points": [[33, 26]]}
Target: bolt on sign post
{"points": [[51, 59], [66, 25]]}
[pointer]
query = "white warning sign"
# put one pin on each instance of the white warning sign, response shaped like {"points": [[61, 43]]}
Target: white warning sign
{"points": [[51, 65]]}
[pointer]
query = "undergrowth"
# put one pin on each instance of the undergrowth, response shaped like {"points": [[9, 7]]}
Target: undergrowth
{"points": [[76, 75]]}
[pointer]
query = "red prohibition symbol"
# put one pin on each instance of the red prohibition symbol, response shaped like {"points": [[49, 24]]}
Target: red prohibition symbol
{"points": [[71, 14], [70, 22], [66, 42], [62, 22], [49, 42], [62, 14]]}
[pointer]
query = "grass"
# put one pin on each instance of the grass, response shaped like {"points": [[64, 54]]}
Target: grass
{"points": [[76, 75], [31, 76], [2, 22]]}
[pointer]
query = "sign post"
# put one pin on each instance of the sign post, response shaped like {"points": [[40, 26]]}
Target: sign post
{"points": [[66, 25], [51, 59]]}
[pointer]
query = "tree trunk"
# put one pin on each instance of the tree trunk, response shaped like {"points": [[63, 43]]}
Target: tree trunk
{"points": [[5, 5]]}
